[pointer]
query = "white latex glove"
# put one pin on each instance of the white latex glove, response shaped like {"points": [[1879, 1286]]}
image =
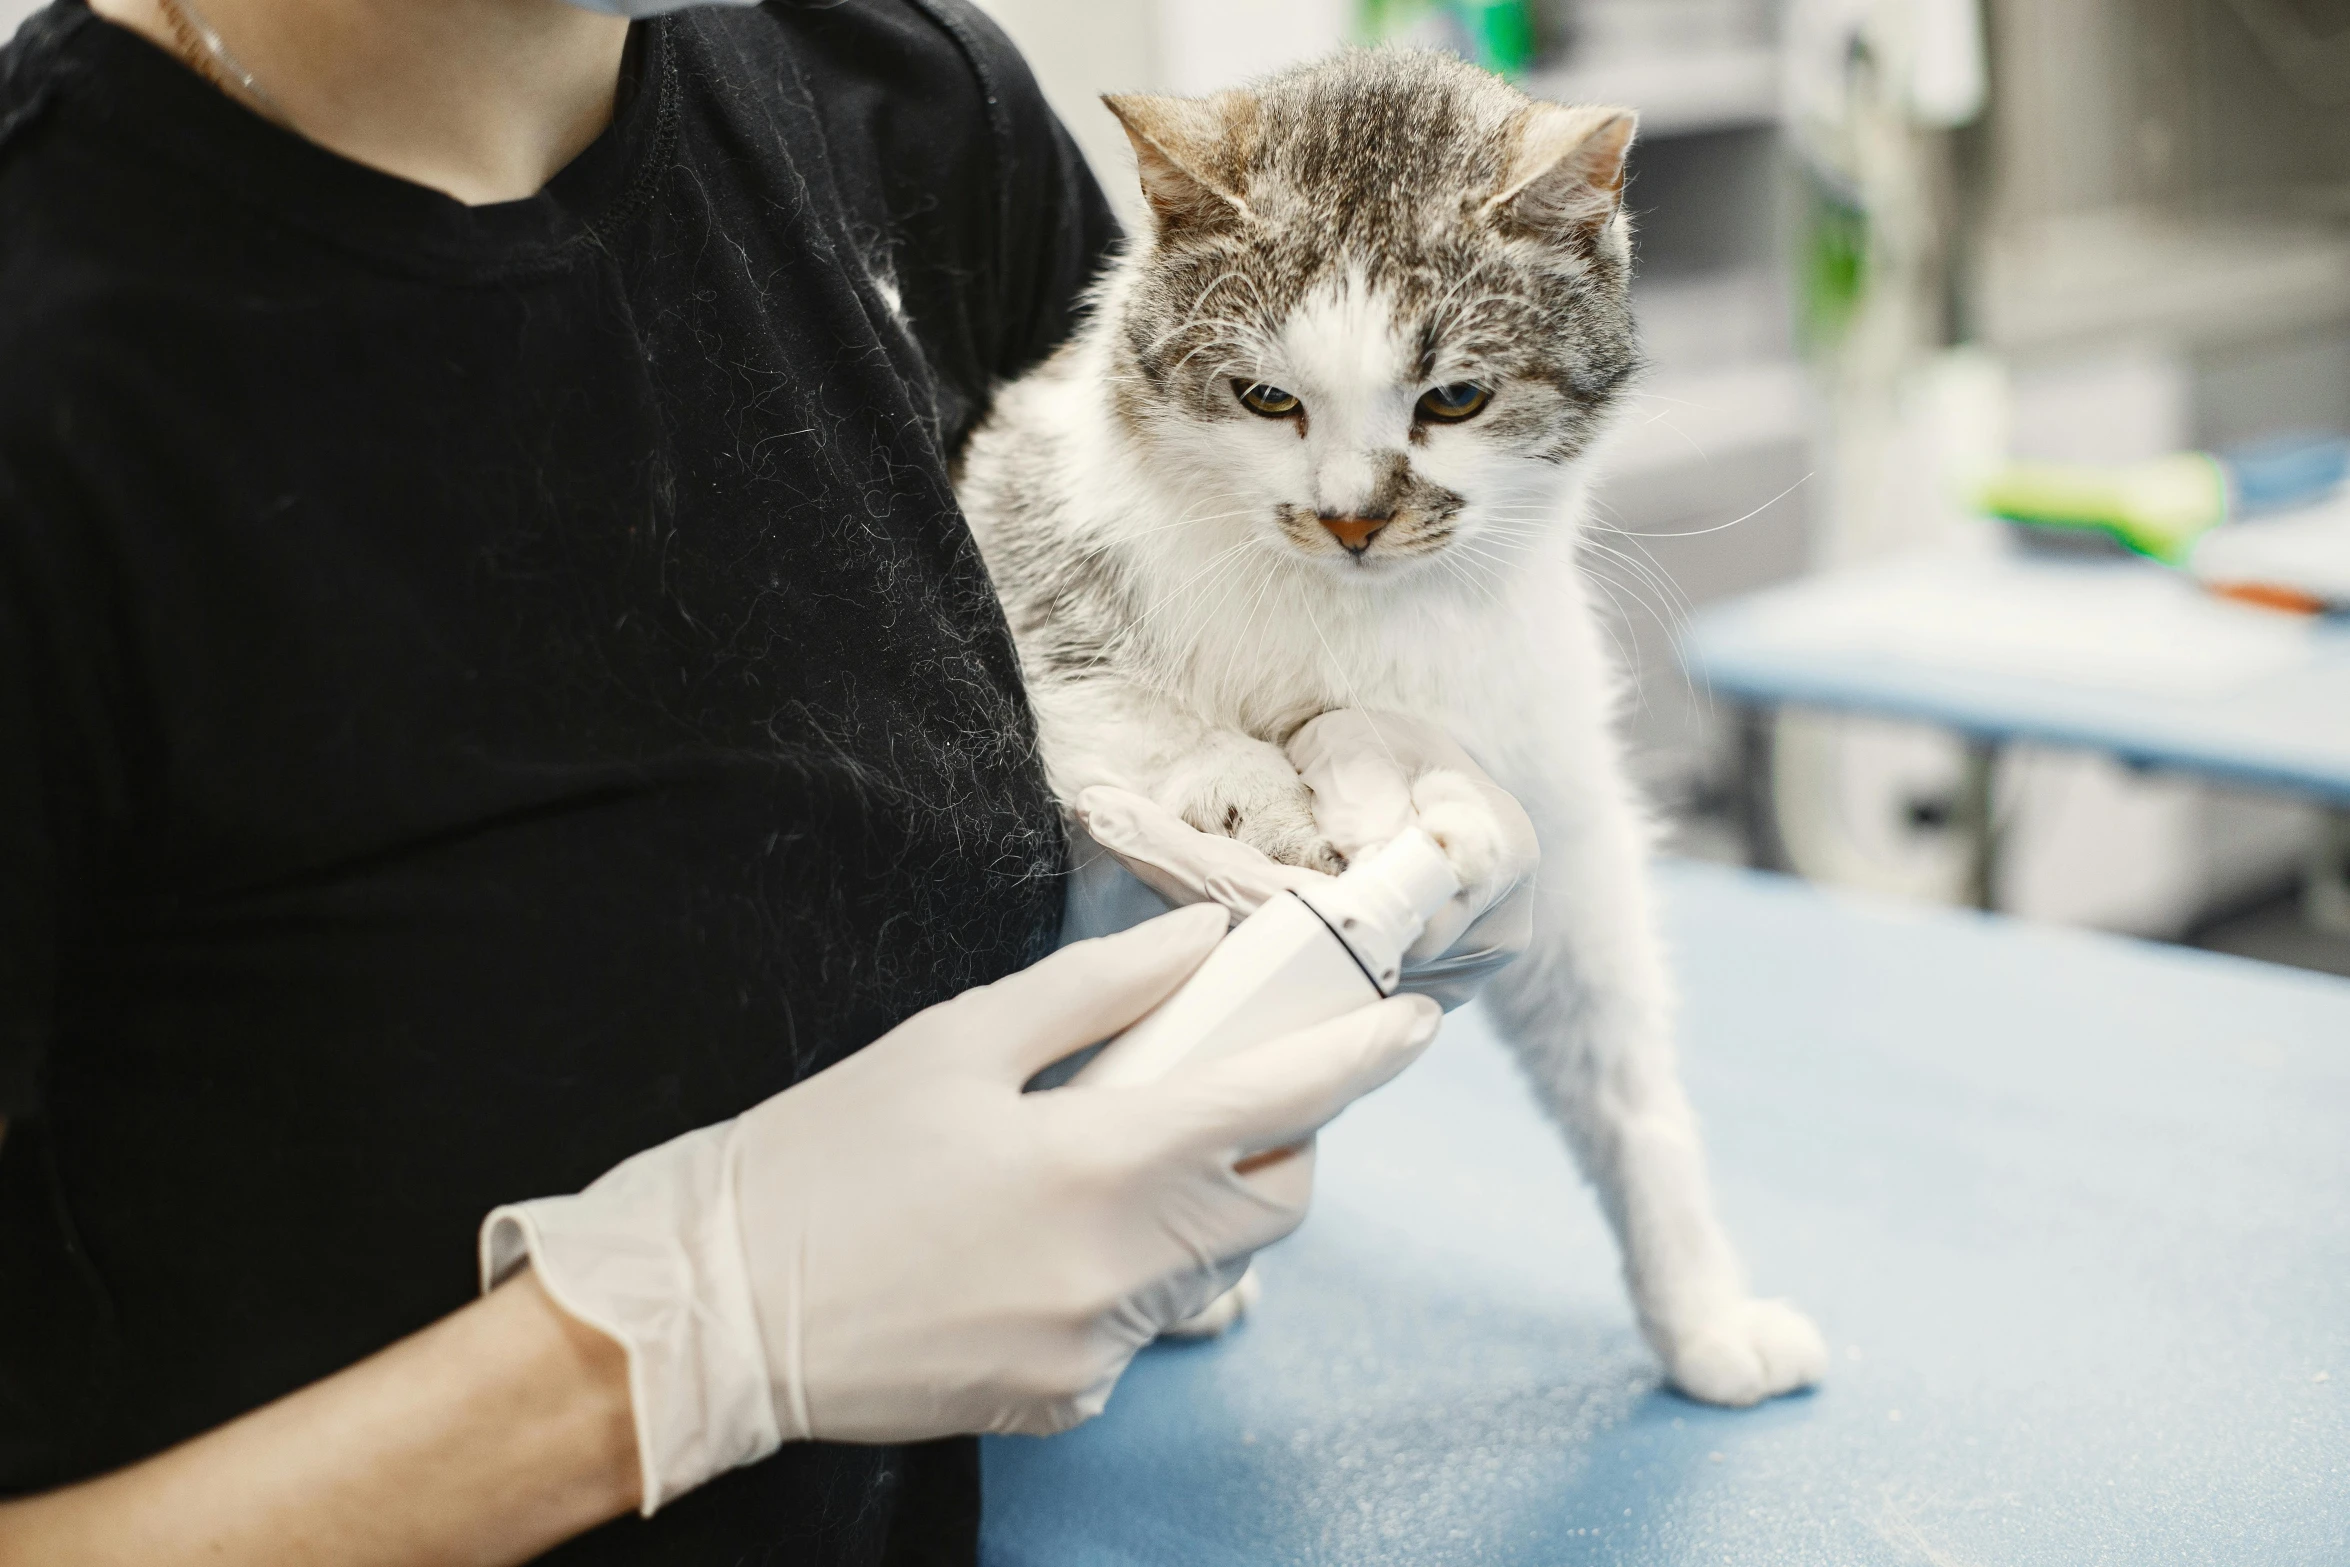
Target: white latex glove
{"points": [[1372, 775], [907, 1246]]}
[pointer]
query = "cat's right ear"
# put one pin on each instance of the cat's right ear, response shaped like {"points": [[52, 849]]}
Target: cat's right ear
{"points": [[1189, 154]]}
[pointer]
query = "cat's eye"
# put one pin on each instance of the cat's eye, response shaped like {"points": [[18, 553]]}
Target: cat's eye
{"points": [[1452, 404], [1269, 401]]}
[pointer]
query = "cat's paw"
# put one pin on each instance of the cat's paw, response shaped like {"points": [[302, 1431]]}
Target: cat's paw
{"points": [[1272, 815], [1294, 843], [1753, 1350], [1220, 1313], [1454, 811]]}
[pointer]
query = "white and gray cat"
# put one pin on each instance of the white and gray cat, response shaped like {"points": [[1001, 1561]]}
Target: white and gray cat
{"points": [[1322, 443]]}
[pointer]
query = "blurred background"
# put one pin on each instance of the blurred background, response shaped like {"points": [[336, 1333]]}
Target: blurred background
{"points": [[1895, 258]]}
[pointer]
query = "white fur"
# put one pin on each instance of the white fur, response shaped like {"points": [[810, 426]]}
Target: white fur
{"points": [[1239, 636]]}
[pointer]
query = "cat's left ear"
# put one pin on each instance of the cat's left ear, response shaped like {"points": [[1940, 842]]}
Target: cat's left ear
{"points": [[1566, 178]]}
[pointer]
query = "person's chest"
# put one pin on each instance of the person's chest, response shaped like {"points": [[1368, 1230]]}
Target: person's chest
{"points": [[395, 553], [597, 645]]}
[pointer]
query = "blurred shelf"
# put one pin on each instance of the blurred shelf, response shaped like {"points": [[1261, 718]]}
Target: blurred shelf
{"points": [[2131, 273], [1677, 93]]}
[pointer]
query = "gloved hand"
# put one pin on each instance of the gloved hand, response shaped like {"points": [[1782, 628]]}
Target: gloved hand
{"points": [[907, 1246], [1372, 775]]}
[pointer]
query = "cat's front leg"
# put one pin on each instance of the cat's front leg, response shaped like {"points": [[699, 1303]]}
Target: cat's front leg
{"points": [[1589, 1009], [1245, 788], [1108, 731]]}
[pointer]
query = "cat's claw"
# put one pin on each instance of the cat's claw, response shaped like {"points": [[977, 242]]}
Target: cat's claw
{"points": [[1318, 854], [1754, 1350], [1256, 798], [1284, 829]]}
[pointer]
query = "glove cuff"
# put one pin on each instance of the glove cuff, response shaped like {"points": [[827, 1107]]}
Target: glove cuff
{"points": [[650, 1256]]}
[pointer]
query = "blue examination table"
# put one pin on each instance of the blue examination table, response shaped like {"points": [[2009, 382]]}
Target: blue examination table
{"points": [[2073, 1211]]}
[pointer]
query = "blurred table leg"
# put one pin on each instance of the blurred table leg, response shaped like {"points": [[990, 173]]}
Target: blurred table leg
{"points": [[2325, 886], [1758, 806], [1976, 815]]}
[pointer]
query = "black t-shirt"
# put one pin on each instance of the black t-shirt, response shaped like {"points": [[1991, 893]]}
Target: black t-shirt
{"points": [[483, 691]]}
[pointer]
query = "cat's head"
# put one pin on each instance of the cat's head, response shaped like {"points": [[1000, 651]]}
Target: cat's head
{"points": [[1384, 306]]}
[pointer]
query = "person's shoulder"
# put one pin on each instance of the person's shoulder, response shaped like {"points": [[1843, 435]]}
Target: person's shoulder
{"points": [[85, 263], [938, 77], [34, 65], [940, 144], [75, 304], [46, 202]]}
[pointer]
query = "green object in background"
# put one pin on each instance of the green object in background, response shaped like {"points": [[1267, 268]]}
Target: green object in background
{"points": [[2157, 508], [1377, 21], [1834, 267], [1500, 35]]}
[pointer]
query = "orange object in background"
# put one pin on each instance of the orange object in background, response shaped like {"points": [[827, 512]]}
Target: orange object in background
{"points": [[2269, 596]]}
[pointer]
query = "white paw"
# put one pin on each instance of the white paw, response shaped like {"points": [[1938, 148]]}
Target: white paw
{"points": [[1223, 1311], [1272, 813], [1454, 811], [1754, 1350]]}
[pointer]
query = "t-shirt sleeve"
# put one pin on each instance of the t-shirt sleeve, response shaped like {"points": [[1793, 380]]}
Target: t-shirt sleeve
{"points": [[995, 224], [1056, 229]]}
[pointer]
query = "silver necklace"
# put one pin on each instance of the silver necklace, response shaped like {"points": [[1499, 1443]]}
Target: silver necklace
{"points": [[201, 46]]}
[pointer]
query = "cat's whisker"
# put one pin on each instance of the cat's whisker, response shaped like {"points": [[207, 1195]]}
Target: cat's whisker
{"points": [[1664, 417], [1652, 578], [1127, 632], [1354, 697], [1202, 323], [1189, 519], [1636, 395], [1652, 567], [1248, 621], [1747, 516], [1263, 579], [1670, 622], [1624, 659], [1672, 631], [1599, 538], [1489, 587], [1234, 275]]}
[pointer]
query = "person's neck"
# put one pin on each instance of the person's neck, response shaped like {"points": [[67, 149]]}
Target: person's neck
{"points": [[483, 99]]}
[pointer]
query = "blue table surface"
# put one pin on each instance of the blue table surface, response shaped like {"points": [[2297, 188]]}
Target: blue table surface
{"points": [[2287, 730], [2073, 1211]]}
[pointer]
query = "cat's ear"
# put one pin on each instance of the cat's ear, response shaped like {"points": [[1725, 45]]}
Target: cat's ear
{"points": [[1189, 154], [1566, 177]]}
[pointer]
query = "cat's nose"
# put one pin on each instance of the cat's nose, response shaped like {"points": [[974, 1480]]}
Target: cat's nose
{"points": [[1354, 532]]}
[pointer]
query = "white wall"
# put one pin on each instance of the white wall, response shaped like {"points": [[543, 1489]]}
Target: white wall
{"points": [[1081, 49], [1205, 45], [15, 11]]}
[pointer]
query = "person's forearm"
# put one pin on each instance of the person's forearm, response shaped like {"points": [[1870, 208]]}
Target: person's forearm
{"points": [[492, 1435]]}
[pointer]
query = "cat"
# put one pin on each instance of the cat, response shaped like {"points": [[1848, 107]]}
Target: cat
{"points": [[1321, 442]]}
